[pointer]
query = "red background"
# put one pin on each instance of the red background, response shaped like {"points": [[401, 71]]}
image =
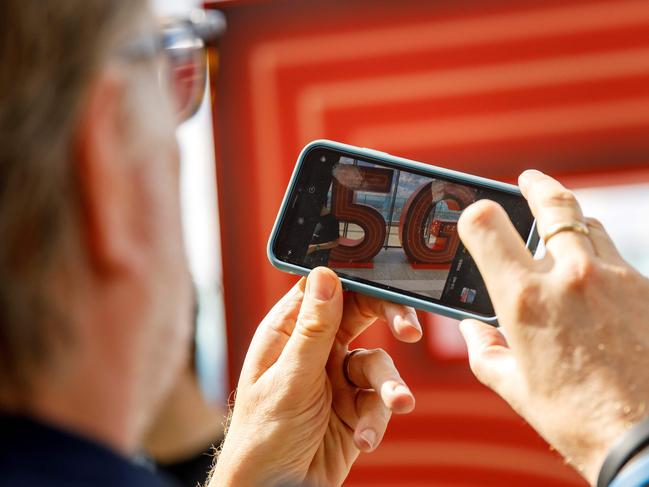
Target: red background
{"points": [[487, 87]]}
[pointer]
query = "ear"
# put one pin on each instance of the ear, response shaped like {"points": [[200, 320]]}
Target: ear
{"points": [[105, 177]]}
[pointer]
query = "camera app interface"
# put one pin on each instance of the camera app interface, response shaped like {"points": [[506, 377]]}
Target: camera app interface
{"points": [[395, 228]]}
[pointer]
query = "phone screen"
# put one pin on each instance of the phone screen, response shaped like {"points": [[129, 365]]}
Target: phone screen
{"points": [[394, 228]]}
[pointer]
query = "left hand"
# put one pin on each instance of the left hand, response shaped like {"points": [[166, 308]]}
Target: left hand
{"points": [[296, 418]]}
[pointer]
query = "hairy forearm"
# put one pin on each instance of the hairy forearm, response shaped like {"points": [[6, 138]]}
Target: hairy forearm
{"points": [[218, 475], [237, 460], [240, 464]]}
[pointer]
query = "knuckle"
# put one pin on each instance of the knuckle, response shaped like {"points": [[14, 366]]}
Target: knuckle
{"points": [[558, 197], [622, 273], [311, 324], [577, 274], [310, 330], [380, 356], [594, 223], [366, 305]]}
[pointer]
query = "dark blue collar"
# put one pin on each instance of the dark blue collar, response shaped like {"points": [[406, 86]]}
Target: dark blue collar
{"points": [[34, 453]]}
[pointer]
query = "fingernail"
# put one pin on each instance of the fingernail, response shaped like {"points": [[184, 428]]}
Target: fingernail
{"points": [[321, 285], [401, 389], [414, 320], [410, 323], [369, 436]]}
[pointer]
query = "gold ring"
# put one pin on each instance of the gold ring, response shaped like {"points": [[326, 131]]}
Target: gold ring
{"points": [[346, 366], [575, 226]]}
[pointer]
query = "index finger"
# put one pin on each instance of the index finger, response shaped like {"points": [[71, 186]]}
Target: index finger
{"points": [[495, 245], [552, 204], [360, 311]]}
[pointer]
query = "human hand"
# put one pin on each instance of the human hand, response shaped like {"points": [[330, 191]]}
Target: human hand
{"points": [[296, 417], [574, 362]]}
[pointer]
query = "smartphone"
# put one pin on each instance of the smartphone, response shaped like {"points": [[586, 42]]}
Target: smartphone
{"points": [[388, 227]]}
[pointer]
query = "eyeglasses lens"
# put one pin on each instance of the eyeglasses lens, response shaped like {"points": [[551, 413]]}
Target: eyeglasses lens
{"points": [[187, 66]]}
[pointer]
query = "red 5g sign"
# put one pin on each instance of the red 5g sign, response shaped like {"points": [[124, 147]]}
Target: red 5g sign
{"points": [[414, 224], [414, 218], [347, 181]]}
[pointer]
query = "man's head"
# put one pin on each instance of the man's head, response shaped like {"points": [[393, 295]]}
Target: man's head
{"points": [[94, 287]]}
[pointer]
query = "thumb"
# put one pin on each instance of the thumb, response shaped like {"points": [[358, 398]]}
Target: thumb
{"points": [[490, 358], [317, 323]]}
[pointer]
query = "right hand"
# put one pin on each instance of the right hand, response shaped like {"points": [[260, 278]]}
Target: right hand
{"points": [[575, 362]]}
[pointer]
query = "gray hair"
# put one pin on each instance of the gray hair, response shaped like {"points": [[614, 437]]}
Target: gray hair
{"points": [[49, 51]]}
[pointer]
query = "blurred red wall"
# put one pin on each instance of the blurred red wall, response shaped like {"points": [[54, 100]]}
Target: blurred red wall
{"points": [[488, 87]]}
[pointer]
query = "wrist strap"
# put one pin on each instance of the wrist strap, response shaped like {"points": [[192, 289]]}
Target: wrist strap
{"points": [[632, 442]]}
